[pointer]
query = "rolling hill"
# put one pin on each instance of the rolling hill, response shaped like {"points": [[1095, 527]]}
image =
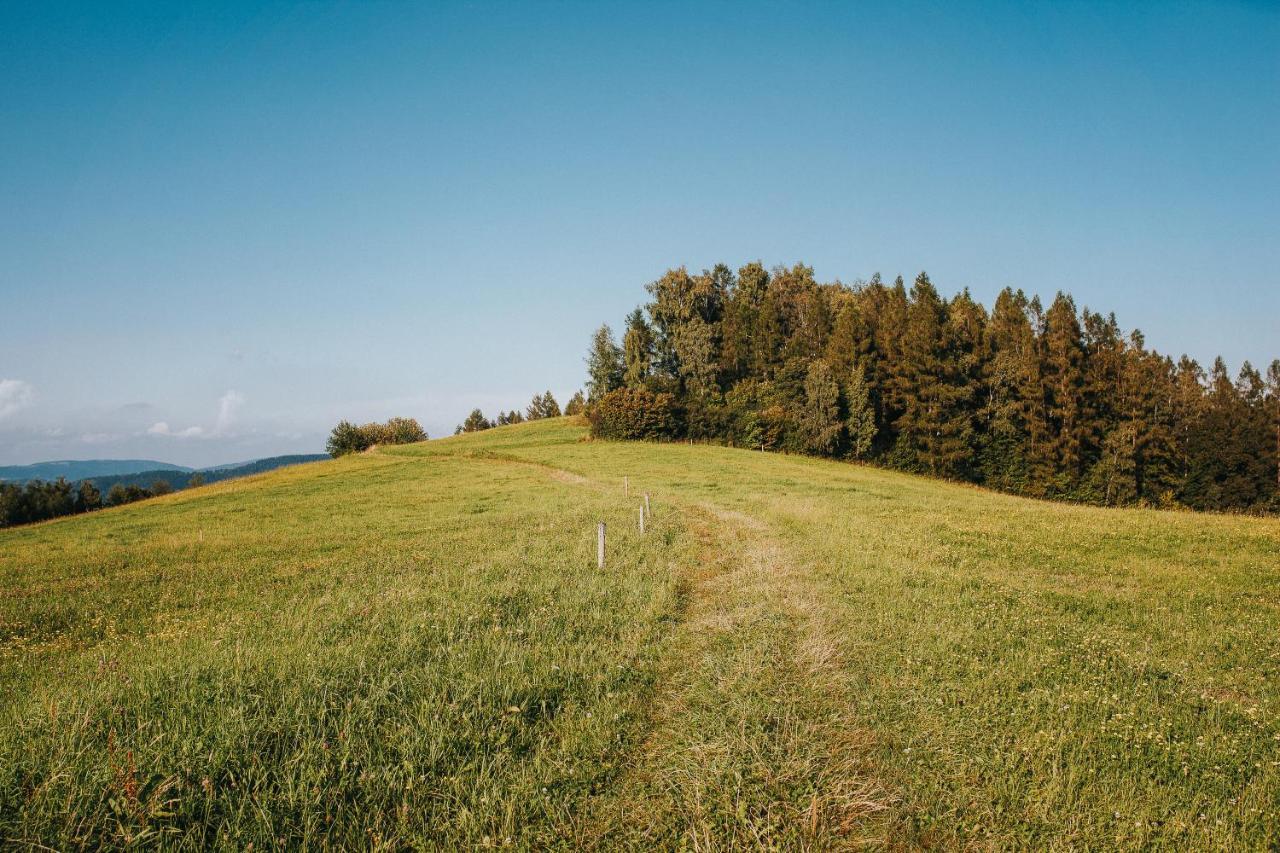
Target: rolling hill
{"points": [[82, 469], [414, 648], [180, 479]]}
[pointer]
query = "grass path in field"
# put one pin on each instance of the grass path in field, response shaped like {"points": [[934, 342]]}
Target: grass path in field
{"points": [[739, 753], [742, 750]]}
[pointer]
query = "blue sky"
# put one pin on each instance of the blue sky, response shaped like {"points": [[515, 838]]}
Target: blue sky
{"points": [[223, 227]]}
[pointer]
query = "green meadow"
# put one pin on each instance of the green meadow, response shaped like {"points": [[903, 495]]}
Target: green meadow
{"points": [[413, 648]]}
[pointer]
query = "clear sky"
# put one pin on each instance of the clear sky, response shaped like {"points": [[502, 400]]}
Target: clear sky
{"points": [[225, 226]]}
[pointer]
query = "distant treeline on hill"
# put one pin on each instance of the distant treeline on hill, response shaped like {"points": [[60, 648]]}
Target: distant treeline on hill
{"points": [[39, 500], [541, 406], [178, 480], [1046, 402]]}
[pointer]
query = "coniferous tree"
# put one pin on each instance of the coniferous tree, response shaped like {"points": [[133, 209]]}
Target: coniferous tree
{"points": [[577, 404], [933, 430], [1011, 413], [475, 422], [542, 406], [820, 421], [637, 348], [860, 420], [1273, 409], [1253, 438], [604, 364], [1064, 386]]}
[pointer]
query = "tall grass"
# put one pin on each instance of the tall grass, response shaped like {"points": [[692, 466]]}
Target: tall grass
{"points": [[381, 651], [413, 648]]}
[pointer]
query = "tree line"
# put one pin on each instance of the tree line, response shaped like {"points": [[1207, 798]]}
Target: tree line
{"points": [[541, 406], [41, 500], [1050, 402]]}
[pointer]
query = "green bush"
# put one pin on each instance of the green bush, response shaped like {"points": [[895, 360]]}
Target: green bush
{"points": [[349, 438], [634, 413]]}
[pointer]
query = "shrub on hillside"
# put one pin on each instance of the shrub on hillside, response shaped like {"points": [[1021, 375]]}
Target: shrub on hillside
{"points": [[349, 438], [634, 413]]}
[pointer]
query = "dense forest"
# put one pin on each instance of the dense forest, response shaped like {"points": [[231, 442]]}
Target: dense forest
{"points": [[1050, 402]]}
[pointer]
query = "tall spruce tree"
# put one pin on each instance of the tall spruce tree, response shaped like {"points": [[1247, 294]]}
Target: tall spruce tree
{"points": [[1273, 409], [934, 429], [860, 417], [637, 348], [605, 370], [820, 419], [1063, 373], [1012, 412]]}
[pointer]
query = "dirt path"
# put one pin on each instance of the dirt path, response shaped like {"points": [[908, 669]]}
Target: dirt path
{"points": [[752, 741]]}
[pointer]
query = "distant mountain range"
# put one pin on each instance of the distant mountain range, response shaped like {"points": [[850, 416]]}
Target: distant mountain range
{"points": [[80, 469], [106, 473]]}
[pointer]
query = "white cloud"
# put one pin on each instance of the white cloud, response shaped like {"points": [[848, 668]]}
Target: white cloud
{"points": [[15, 395], [228, 406], [162, 428]]}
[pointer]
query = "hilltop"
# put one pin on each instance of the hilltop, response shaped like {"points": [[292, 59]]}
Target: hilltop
{"points": [[413, 646]]}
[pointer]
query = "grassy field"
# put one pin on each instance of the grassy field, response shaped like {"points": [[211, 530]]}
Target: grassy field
{"points": [[413, 648]]}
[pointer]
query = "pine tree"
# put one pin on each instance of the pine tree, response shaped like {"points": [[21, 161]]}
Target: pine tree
{"points": [[820, 419], [604, 364], [637, 347], [934, 429], [1063, 373], [860, 418], [577, 404], [475, 422], [1012, 410], [890, 336], [1253, 486], [1273, 408]]}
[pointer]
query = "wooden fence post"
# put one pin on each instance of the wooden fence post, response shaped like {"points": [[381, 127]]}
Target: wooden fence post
{"points": [[641, 518], [600, 546]]}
